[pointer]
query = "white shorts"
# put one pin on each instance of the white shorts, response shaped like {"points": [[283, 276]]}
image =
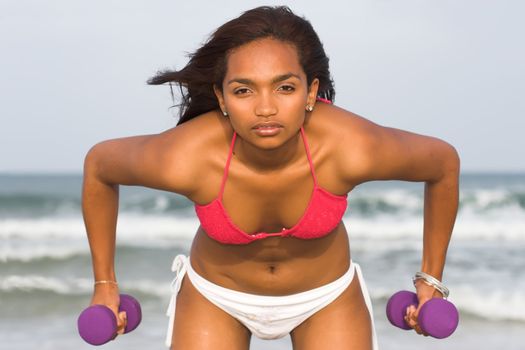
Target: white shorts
{"points": [[267, 317]]}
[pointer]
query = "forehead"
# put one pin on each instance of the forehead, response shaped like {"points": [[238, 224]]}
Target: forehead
{"points": [[264, 58]]}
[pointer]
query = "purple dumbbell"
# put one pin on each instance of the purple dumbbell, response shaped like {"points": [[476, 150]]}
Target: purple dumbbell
{"points": [[97, 324], [437, 317]]}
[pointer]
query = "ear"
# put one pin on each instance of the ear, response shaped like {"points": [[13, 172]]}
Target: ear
{"points": [[312, 92], [220, 97]]}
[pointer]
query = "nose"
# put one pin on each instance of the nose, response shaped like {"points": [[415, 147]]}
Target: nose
{"points": [[266, 106]]}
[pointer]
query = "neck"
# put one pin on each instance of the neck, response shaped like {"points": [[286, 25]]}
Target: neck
{"points": [[269, 159]]}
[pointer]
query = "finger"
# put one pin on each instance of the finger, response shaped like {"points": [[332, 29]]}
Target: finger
{"points": [[122, 322], [409, 316], [418, 329], [415, 316], [411, 319]]}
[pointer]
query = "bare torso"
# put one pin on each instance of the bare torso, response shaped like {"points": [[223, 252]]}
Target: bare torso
{"points": [[269, 200], [267, 190], [272, 266]]}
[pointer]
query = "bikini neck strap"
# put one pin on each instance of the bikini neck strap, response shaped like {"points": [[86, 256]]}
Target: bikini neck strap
{"points": [[230, 154]]}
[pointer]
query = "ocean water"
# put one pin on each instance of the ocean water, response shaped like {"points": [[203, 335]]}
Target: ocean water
{"points": [[46, 280]]}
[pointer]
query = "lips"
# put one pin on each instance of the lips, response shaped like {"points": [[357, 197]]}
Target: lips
{"points": [[267, 125], [267, 128]]}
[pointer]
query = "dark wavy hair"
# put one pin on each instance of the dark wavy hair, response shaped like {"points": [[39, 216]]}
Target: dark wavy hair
{"points": [[207, 65]]}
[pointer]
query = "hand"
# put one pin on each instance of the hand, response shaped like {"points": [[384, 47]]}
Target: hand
{"points": [[108, 294], [424, 294]]}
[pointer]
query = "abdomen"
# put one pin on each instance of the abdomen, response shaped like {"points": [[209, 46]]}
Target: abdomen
{"points": [[274, 265]]}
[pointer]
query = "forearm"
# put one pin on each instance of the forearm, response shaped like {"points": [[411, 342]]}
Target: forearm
{"points": [[100, 208], [440, 209]]}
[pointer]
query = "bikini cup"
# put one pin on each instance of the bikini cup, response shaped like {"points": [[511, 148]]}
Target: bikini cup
{"points": [[322, 215]]}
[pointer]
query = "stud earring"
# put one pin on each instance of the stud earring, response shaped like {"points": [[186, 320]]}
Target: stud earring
{"points": [[224, 113], [309, 108]]}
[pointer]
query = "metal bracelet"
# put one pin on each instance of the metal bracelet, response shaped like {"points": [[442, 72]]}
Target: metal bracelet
{"points": [[431, 281]]}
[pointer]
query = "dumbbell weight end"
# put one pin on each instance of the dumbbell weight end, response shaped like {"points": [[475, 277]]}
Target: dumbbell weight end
{"points": [[437, 317], [97, 324]]}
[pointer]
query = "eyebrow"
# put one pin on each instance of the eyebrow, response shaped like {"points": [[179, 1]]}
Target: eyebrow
{"points": [[276, 79]]}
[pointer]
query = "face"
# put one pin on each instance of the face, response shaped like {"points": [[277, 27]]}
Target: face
{"points": [[265, 92]]}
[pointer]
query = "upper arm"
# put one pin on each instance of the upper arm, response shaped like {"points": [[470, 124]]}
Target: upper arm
{"points": [[162, 161], [373, 152]]}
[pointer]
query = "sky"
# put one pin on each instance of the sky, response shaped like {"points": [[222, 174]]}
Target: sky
{"points": [[73, 73]]}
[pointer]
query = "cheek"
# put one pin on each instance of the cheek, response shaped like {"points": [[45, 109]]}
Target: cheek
{"points": [[239, 105], [293, 107]]}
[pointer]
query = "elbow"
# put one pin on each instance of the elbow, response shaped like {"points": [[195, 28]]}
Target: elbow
{"points": [[451, 163], [96, 165], [92, 160], [445, 164]]}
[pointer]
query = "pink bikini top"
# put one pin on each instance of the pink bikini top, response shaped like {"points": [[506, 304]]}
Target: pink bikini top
{"points": [[322, 215]]}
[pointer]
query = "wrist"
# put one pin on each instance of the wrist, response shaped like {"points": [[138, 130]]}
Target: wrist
{"points": [[429, 280], [108, 282]]}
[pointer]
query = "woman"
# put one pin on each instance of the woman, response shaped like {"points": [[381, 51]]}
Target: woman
{"points": [[268, 162]]}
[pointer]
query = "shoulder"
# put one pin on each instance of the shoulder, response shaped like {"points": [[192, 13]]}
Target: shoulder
{"points": [[362, 150], [190, 151], [200, 132], [347, 139], [177, 160], [330, 121]]}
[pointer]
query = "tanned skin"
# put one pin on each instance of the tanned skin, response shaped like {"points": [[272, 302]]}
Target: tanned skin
{"points": [[268, 188]]}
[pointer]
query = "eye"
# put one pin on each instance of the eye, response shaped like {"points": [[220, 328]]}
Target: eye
{"points": [[287, 88], [241, 91]]}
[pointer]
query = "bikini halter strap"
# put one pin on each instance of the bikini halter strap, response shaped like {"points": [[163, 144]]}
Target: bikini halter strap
{"points": [[307, 148], [227, 166], [230, 154]]}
